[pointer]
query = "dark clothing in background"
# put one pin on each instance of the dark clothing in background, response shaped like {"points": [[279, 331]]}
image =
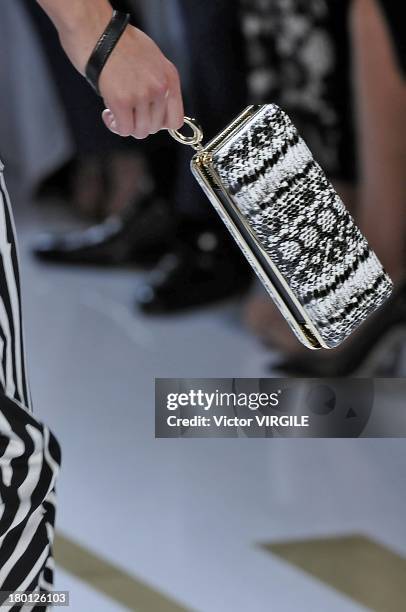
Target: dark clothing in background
{"points": [[394, 12], [218, 84], [81, 104], [299, 58]]}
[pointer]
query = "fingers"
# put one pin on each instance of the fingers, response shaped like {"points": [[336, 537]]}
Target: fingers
{"points": [[174, 108], [109, 121], [141, 88], [123, 117], [158, 112], [142, 120], [120, 123], [160, 108]]}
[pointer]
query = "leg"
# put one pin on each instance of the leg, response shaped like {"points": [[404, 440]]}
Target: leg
{"points": [[29, 461], [13, 378], [380, 95], [29, 453]]}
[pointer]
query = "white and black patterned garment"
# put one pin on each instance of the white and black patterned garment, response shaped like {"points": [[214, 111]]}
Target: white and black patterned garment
{"points": [[29, 453], [298, 54], [302, 223]]}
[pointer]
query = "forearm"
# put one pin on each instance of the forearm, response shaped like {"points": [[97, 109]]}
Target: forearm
{"points": [[81, 21]]}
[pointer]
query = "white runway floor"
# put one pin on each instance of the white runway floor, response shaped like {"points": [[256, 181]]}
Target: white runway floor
{"points": [[185, 516]]}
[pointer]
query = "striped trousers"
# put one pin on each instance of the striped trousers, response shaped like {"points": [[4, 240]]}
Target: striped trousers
{"points": [[29, 452]]}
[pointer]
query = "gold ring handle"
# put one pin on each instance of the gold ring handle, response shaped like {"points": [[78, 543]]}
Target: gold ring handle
{"points": [[194, 140]]}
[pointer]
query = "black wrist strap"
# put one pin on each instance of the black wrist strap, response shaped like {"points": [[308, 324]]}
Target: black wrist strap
{"points": [[104, 48]]}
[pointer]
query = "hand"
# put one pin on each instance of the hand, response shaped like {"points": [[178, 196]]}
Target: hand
{"points": [[140, 87]]}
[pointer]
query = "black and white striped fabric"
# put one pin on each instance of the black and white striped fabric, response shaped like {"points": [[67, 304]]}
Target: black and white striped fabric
{"points": [[303, 225], [29, 453]]}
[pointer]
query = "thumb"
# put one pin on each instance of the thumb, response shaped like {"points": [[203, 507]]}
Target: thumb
{"points": [[109, 120]]}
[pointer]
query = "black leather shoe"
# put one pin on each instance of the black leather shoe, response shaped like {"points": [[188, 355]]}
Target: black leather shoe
{"points": [[204, 268], [373, 350], [141, 234]]}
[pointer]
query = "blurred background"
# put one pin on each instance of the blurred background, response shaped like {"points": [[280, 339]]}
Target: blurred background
{"points": [[128, 275]]}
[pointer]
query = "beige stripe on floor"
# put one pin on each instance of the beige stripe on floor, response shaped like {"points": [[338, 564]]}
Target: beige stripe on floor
{"points": [[365, 570], [109, 579]]}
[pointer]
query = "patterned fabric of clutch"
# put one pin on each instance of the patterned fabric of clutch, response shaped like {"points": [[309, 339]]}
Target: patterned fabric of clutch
{"points": [[295, 214]]}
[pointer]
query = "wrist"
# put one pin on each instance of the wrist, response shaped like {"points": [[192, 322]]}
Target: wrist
{"points": [[105, 47], [81, 29]]}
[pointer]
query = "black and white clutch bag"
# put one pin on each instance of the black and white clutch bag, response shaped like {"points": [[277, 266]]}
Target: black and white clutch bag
{"points": [[291, 225]]}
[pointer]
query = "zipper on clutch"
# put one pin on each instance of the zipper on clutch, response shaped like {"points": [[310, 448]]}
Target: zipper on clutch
{"points": [[220, 138]]}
